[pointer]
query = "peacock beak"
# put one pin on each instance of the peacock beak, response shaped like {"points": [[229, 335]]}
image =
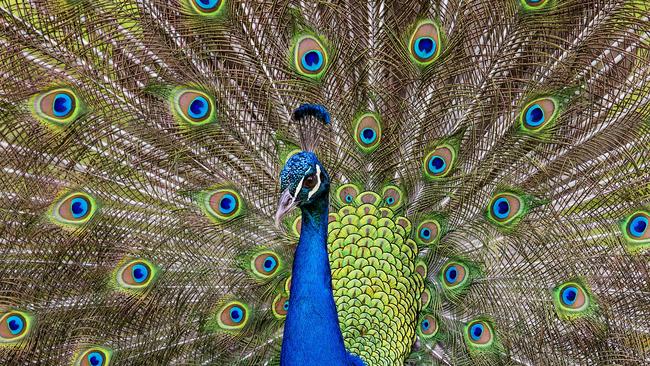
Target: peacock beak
{"points": [[286, 204]]}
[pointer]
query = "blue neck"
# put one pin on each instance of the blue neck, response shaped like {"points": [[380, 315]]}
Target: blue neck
{"points": [[311, 331]]}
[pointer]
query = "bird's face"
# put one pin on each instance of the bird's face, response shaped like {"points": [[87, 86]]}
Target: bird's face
{"points": [[302, 181]]}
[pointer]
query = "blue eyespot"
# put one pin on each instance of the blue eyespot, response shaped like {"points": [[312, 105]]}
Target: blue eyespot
{"points": [[62, 105], [312, 60], [535, 116], [437, 164], [199, 108], [451, 274], [390, 201], [236, 314], [638, 226], [501, 208], [425, 233], [227, 203], [476, 331], [348, 198], [95, 359], [425, 47], [426, 324], [207, 4], [569, 295], [368, 136], [285, 306], [16, 324], [139, 273], [79, 207], [269, 264]]}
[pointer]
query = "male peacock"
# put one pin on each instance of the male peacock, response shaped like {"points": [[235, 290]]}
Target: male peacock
{"points": [[471, 178]]}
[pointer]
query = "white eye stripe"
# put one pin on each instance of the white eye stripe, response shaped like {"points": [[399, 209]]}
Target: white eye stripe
{"points": [[315, 189], [298, 188]]}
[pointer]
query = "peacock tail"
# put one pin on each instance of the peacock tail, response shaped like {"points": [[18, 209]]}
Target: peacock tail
{"points": [[489, 163]]}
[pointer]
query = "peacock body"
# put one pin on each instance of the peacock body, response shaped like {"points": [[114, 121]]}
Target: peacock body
{"points": [[283, 182]]}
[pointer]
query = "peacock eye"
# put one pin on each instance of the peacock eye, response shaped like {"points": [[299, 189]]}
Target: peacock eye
{"points": [[428, 326], [425, 43], [637, 226], [206, 6], [392, 196], [572, 297], [539, 114], [265, 264], [454, 275], [505, 207], [60, 106], [310, 57], [194, 107], [572, 300], [533, 4], [479, 333], [223, 204], [428, 232], [136, 274], [73, 209], [347, 193], [233, 316], [367, 133], [95, 356], [310, 181], [439, 162], [13, 326], [281, 306]]}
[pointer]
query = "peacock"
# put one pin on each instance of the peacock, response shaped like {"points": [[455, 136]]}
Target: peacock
{"points": [[327, 183]]}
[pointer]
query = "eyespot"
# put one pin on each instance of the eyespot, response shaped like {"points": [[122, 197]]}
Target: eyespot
{"points": [[194, 107], [281, 306], [136, 274], [207, 7], [572, 297], [223, 204], [421, 268], [424, 45], [265, 264], [479, 333], [233, 316], [454, 275], [74, 209], [425, 297], [428, 326], [367, 132], [369, 197], [439, 162], [59, 106], [533, 4], [428, 232], [636, 228], [95, 356], [505, 207], [310, 57], [347, 193], [14, 325], [539, 114], [392, 196]]}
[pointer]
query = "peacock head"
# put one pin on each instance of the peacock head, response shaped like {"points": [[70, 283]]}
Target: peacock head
{"points": [[303, 181]]}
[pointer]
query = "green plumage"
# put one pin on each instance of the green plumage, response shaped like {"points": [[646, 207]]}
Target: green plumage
{"points": [[489, 164], [376, 286]]}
